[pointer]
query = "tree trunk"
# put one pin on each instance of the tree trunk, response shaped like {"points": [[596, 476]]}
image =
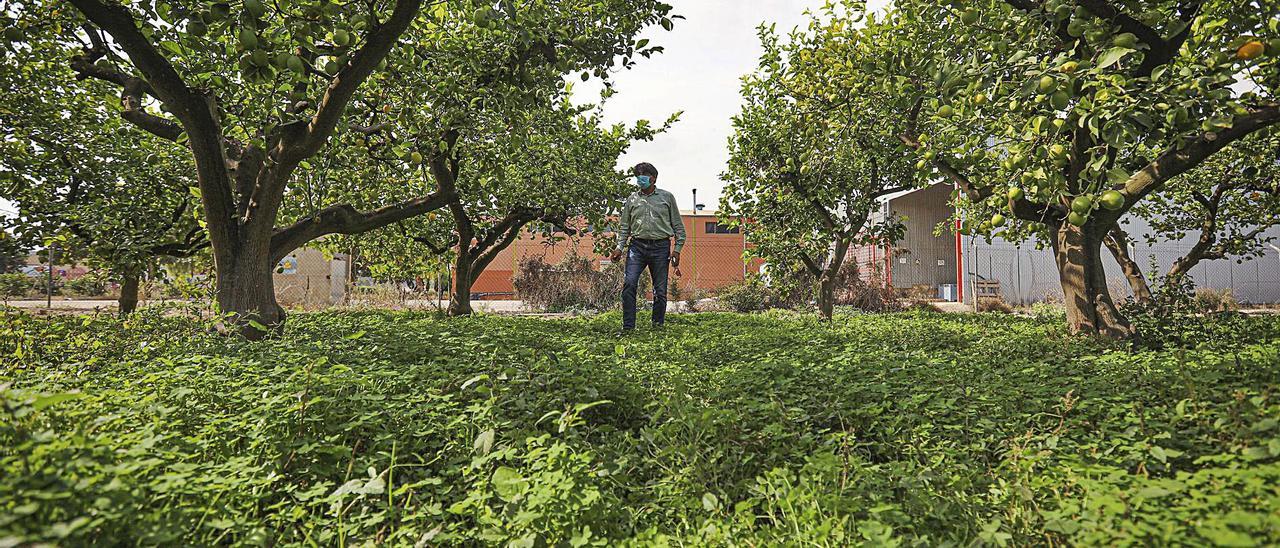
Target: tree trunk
{"points": [[129, 293], [245, 289], [1090, 310], [460, 297], [827, 294], [1119, 248]]}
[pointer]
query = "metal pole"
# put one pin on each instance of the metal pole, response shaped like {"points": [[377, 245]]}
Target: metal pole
{"points": [[48, 290], [973, 277], [1017, 258]]}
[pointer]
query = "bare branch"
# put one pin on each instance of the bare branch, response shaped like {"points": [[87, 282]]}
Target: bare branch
{"points": [[344, 219]]}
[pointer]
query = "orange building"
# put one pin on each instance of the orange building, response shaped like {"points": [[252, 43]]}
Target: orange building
{"points": [[712, 257]]}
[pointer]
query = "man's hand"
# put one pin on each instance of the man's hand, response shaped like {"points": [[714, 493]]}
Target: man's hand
{"points": [[616, 255], [675, 259]]}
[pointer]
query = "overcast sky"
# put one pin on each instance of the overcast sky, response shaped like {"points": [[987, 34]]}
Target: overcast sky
{"points": [[699, 73]]}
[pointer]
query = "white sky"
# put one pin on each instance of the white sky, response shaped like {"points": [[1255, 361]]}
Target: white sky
{"points": [[699, 73]]}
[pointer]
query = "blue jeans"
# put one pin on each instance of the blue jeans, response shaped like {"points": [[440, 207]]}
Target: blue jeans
{"points": [[655, 254]]}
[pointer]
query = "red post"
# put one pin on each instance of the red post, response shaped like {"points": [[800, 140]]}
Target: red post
{"points": [[888, 267], [959, 265]]}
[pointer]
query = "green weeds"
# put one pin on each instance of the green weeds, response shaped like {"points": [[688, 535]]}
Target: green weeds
{"points": [[905, 429]]}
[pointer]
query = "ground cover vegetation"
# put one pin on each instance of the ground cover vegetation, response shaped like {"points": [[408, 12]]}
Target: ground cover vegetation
{"points": [[775, 428]]}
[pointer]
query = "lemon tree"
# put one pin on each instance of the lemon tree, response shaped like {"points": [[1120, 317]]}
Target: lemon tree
{"points": [[806, 169], [85, 181], [254, 90], [1061, 116]]}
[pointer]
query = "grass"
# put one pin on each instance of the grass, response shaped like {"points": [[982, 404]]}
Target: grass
{"points": [[723, 429]]}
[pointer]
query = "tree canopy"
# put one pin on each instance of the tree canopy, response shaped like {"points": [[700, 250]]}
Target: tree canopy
{"points": [[808, 171]]}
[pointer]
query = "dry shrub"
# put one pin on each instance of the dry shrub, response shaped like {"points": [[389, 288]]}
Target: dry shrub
{"points": [[869, 295], [573, 285], [994, 304], [1211, 300], [921, 305]]}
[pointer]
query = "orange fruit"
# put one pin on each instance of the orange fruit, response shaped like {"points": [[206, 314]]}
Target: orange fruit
{"points": [[1250, 50]]}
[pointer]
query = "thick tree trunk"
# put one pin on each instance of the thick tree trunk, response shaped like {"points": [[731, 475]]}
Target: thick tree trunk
{"points": [[463, 277], [245, 289], [1118, 244], [129, 293], [827, 295], [1090, 310]]}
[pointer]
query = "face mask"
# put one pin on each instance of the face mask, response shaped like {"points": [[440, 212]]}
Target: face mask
{"points": [[643, 182]]}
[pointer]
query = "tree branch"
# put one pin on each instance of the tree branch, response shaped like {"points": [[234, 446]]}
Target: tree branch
{"points": [[344, 219], [1178, 160], [342, 88], [196, 112]]}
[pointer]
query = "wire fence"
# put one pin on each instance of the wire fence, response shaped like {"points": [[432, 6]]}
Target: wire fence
{"points": [[1026, 274]]}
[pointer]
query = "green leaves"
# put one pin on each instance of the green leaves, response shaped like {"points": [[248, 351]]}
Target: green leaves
{"points": [[508, 483], [974, 415], [1112, 56]]}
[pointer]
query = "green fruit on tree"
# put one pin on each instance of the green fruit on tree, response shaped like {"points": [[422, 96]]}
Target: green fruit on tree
{"points": [[1125, 40], [331, 66], [219, 11], [930, 155], [1082, 205], [969, 16], [1047, 84], [980, 99], [1016, 193], [482, 17], [260, 58], [997, 220], [1077, 219], [341, 37], [1058, 151], [248, 40], [1076, 28], [1112, 200], [1059, 100], [196, 27], [945, 111], [416, 157], [254, 8], [295, 64]]}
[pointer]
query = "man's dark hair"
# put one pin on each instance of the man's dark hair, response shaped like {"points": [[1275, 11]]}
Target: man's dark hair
{"points": [[645, 168]]}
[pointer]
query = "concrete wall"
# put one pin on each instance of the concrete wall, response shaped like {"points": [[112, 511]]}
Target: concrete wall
{"points": [[317, 279], [709, 261]]}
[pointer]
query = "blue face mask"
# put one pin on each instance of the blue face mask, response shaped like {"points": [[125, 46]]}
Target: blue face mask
{"points": [[644, 182]]}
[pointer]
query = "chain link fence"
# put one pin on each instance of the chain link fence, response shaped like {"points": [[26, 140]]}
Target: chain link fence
{"points": [[1026, 274]]}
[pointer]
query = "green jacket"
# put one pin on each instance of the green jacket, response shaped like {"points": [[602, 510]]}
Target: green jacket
{"points": [[652, 217]]}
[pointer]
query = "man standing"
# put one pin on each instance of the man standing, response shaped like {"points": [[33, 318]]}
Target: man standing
{"points": [[650, 218]]}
